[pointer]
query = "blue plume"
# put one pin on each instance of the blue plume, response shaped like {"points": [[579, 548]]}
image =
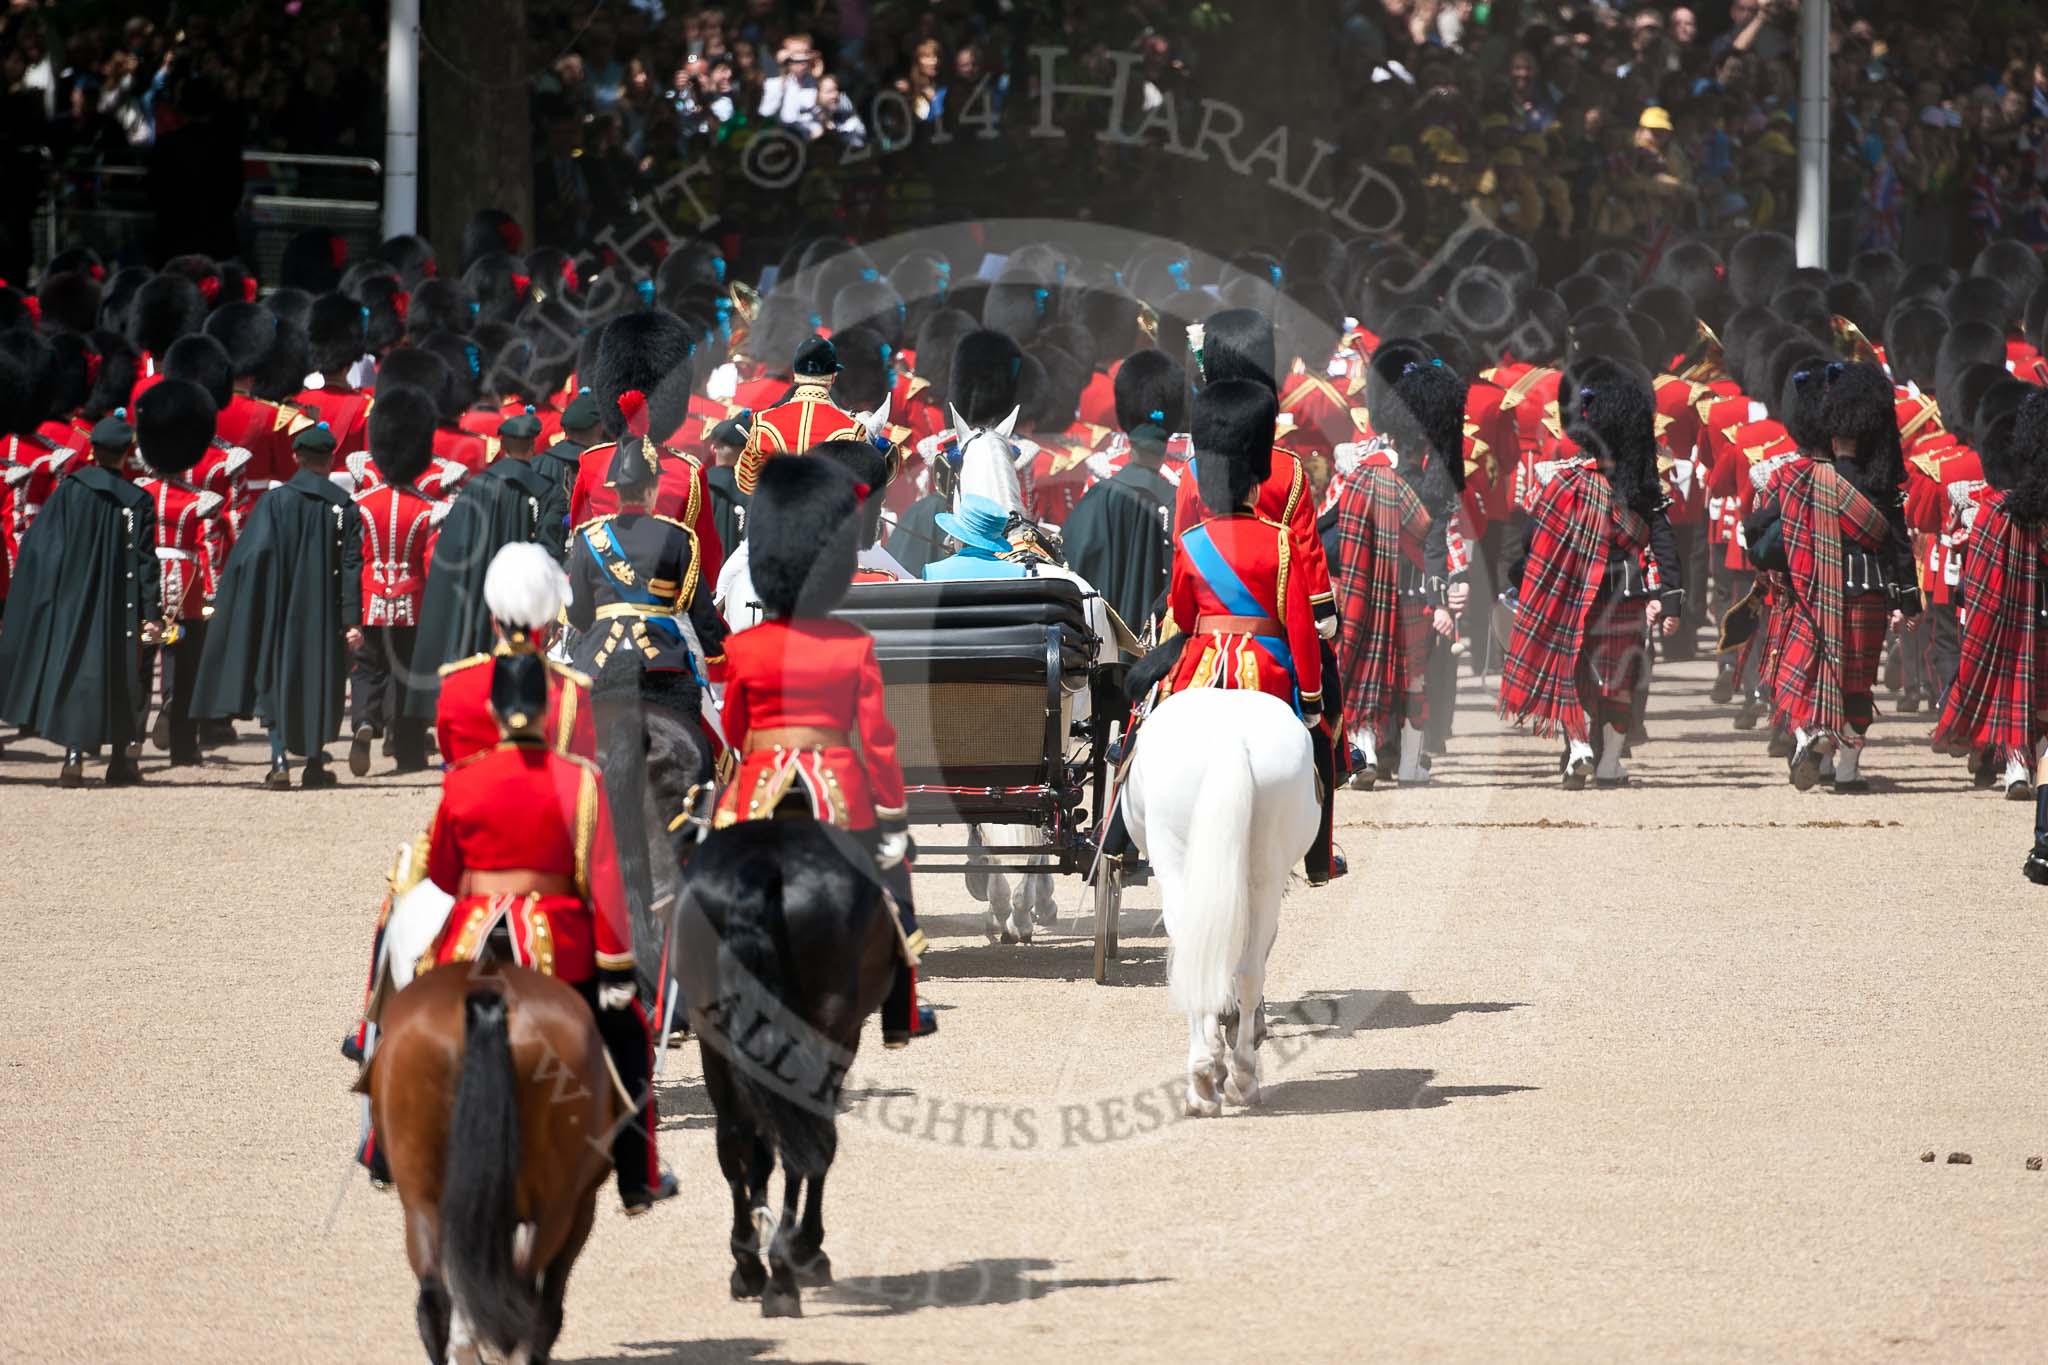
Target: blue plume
{"points": [[645, 288]]}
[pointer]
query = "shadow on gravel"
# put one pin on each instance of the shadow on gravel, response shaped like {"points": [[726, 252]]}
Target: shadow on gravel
{"points": [[728, 1351], [1048, 959], [1339, 1014], [969, 1284], [1361, 1092]]}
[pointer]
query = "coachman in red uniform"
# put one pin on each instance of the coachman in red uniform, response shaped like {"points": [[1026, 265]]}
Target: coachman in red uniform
{"points": [[808, 417], [523, 841], [399, 522], [803, 695], [174, 423]]}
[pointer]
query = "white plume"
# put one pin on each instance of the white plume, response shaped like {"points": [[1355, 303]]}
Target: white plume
{"points": [[524, 588]]}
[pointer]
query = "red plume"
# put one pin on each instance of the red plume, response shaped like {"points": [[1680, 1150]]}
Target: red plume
{"points": [[569, 278], [511, 236], [209, 289], [660, 248], [337, 250], [248, 289], [98, 272], [431, 268], [401, 303], [633, 408], [92, 368], [521, 283], [34, 306], [861, 491]]}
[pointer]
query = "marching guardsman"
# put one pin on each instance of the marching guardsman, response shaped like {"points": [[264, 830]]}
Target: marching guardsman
{"points": [[339, 329], [803, 696], [175, 423], [84, 601], [523, 841], [641, 375], [399, 523], [1593, 574], [289, 612], [249, 333], [651, 642], [806, 418]]}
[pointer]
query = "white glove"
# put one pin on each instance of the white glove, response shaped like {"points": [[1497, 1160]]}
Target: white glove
{"points": [[1326, 627], [892, 848], [615, 997]]}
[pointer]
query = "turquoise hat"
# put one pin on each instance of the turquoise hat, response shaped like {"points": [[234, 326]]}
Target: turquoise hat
{"points": [[979, 522]]}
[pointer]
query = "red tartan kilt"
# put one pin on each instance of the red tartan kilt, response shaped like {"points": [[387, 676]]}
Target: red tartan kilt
{"points": [[1418, 634], [1615, 646], [1865, 621]]}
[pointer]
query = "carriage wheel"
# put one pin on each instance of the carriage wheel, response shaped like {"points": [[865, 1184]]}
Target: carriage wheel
{"points": [[1109, 894]]}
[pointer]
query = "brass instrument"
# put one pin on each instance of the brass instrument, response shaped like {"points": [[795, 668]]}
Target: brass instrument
{"points": [[1704, 362], [1849, 337]]}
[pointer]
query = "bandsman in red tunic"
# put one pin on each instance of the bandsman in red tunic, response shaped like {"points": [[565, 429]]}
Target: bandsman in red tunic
{"points": [[523, 841], [174, 424], [806, 418], [249, 333], [641, 377], [398, 535], [803, 695]]}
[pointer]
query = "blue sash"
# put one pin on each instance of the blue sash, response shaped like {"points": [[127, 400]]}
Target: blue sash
{"points": [[1214, 570], [626, 581]]}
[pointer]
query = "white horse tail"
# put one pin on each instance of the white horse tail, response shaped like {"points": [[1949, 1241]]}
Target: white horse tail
{"points": [[1201, 969]]}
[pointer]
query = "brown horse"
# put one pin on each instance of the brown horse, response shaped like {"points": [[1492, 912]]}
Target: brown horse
{"points": [[490, 1093], [786, 947]]}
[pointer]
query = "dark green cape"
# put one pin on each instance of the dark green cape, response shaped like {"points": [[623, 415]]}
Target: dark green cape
{"points": [[1120, 538], [497, 507], [558, 463], [728, 508], [292, 588], [86, 581]]}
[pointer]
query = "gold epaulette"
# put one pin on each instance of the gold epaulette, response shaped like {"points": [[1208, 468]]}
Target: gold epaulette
{"points": [[460, 664], [1927, 465], [918, 384]]}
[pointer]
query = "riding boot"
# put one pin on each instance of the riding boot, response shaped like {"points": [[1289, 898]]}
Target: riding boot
{"points": [[900, 1009], [636, 1160], [2036, 868], [1317, 863]]}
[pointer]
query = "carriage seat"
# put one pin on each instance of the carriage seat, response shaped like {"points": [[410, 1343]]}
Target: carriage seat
{"points": [[974, 630]]}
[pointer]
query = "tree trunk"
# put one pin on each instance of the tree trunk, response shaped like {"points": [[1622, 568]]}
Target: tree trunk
{"points": [[476, 136]]}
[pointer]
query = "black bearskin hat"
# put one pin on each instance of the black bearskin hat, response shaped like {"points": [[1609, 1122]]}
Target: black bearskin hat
{"points": [[412, 257], [117, 301], [1848, 299], [1151, 391], [70, 301], [1912, 343], [164, 309], [439, 306], [378, 290], [2012, 263], [402, 423], [648, 352], [17, 410], [1980, 298], [466, 363], [1111, 316], [488, 231], [1238, 343], [921, 280], [690, 264], [72, 370], [1758, 265], [2002, 399], [39, 373], [293, 304], [498, 286], [1539, 338], [1481, 304], [1610, 414], [1390, 360], [1801, 407], [872, 304], [1032, 392], [1018, 306], [1426, 423], [1065, 377], [1075, 340], [1929, 280], [1860, 408], [174, 421], [1878, 271], [1997, 449], [1796, 352], [803, 533], [1805, 307], [246, 332], [119, 368], [421, 369], [865, 374], [1694, 267], [338, 328], [313, 260], [1583, 291], [937, 339], [1964, 345], [869, 468], [1234, 421], [1675, 317], [2027, 503], [987, 376], [1962, 393], [203, 361], [2035, 316], [283, 372], [1616, 343], [781, 325]]}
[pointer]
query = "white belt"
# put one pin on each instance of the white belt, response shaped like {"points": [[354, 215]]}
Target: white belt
{"points": [[167, 552], [260, 485]]}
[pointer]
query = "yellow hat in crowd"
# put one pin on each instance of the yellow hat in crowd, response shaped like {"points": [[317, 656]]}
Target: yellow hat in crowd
{"points": [[1655, 117]]}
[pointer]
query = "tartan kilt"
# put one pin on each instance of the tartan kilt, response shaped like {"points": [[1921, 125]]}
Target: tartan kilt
{"points": [[1418, 637], [1616, 649], [1865, 622]]}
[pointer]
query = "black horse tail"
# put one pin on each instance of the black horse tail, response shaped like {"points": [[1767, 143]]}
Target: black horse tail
{"points": [[777, 1058], [480, 1190]]}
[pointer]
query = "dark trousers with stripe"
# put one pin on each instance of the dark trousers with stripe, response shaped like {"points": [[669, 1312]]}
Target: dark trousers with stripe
{"points": [[376, 676]]}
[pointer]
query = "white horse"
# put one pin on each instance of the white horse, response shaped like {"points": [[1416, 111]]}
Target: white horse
{"points": [[1221, 800]]}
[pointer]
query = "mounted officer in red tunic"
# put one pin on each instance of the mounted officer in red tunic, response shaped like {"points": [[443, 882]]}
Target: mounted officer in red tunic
{"points": [[803, 695], [806, 418]]}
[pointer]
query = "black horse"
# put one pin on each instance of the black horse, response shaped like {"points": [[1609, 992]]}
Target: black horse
{"points": [[786, 946]]}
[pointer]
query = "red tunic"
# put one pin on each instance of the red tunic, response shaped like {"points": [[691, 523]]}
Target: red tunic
{"points": [[1098, 400], [819, 674], [522, 806], [1056, 478], [464, 726], [681, 495], [33, 467], [1528, 395], [791, 428], [1261, 552], [187, 540], [1678, 435], [1283, 498], [1934, 519], [471, 452], [1489, 472], [398, 543], [1323, 415], [347, 414], [266, 431], [761, 392]]}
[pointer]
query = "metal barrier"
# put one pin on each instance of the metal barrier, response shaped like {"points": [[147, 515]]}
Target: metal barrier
{"points": [[106, 206]]}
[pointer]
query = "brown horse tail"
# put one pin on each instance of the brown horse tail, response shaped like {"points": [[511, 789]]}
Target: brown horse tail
{"points": [[479, 1193], [776, 1039]]}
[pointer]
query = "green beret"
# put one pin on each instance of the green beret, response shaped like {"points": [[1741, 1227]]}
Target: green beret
{"points": [[112, 432], [315, 440], [524, 427], [581, 412]]}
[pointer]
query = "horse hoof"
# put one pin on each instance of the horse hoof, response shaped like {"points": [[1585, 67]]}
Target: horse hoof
{"points": [[1004, 935], [1247, 1096], [776, 1303], [815, 1272], [747, 1281], [1199, 1108]]}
